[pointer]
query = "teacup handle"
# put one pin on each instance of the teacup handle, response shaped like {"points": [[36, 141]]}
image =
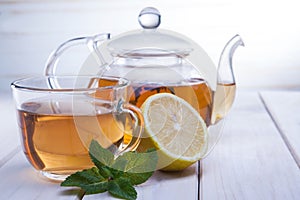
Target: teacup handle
{"points": [[91, 42], [138, 128]]}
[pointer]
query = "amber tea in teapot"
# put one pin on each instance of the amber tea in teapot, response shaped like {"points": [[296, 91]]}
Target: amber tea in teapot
{"points": [[223, 100], [196, 93]]}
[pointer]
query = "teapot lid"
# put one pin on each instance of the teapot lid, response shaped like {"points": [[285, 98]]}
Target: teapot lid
{"points": [[154, 42], [149, 41]]}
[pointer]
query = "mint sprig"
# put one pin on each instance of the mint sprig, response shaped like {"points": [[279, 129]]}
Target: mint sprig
{"points": [[117, 176]]}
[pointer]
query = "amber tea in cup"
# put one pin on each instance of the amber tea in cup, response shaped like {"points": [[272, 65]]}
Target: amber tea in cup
{"points": [[59, 116]]}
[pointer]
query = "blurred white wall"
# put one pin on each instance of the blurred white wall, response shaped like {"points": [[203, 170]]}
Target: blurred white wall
{"points": [[30, 30]]}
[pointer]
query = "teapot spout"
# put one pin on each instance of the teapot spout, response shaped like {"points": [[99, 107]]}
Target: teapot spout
{"points": [[225, 71], [225, 91]]}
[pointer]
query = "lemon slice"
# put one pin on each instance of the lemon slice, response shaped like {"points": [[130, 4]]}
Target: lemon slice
{"points": [[175, 129]]}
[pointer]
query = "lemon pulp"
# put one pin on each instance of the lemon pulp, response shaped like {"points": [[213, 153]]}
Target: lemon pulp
{"points": [[175, 129]]}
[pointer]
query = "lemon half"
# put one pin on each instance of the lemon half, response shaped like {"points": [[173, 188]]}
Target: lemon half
{"points": [[175, 129]]}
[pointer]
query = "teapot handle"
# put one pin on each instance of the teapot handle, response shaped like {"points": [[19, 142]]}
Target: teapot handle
{"points": [[91, 42]]}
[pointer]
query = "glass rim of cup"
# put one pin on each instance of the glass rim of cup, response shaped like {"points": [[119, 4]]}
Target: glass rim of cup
{"points": [[24, 83]]}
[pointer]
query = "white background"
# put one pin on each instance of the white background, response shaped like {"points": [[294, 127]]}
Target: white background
{"points": [[30, 30]]}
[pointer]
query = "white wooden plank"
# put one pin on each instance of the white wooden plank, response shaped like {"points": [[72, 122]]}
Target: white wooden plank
{"points": [[9, 135], [251, 160], [285, 110], [163, 185], [20, 181]]}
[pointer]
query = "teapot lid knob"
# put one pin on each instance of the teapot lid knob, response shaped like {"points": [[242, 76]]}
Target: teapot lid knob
{"points": [[149, 18]]}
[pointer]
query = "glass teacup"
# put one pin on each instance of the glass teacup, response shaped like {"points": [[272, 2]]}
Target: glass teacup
{"points": [[59, 116]]}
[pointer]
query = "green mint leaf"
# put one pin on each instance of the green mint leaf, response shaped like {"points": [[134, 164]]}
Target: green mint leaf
{"points": [[137, 178], [95, 188], [122, 188], [99, 155], [136, 162], [137, 167], [89, 179], [105, 172], [116, 173], [117, 176]]}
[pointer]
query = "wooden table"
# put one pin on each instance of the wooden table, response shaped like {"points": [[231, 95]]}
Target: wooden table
{"points": [[256, 158]]}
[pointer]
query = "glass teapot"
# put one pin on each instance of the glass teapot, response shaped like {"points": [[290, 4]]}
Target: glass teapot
{"points": [[162, 61]]}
